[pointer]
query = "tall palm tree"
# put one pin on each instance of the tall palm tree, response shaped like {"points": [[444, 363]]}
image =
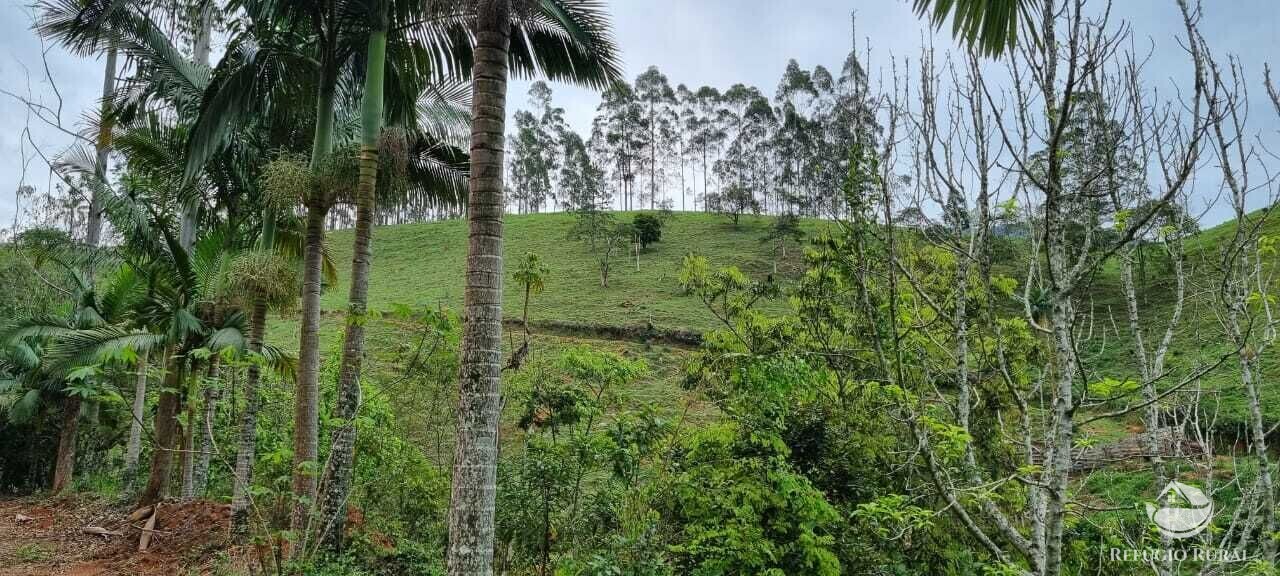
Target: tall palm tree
{"points": [[990, 26], [337, 474], [475, 460], [87, 44], [471, 520]]}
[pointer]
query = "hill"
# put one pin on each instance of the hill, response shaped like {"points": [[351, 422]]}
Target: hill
{"points": [[422, 264]]}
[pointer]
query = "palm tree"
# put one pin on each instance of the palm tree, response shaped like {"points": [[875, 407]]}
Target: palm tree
{"points": [[337, 473], [471, 521], [43, 378], [475, 460], [990, 26]]}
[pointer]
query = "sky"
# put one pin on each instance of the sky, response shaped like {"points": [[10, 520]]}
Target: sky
{"points": [[695, 42]]}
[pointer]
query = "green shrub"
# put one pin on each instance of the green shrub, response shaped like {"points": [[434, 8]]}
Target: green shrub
{"points": [[648, 229]]}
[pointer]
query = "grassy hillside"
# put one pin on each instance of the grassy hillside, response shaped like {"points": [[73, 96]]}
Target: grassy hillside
{"points": [[422, 264], [1199, 338]]}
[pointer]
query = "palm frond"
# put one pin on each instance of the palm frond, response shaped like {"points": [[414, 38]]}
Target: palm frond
{"points": [[40, 326], [249, 82], [990, 26], [229, 337], [79, 25], [24, 406], [444, 111], [88, 347], [283, 363]]}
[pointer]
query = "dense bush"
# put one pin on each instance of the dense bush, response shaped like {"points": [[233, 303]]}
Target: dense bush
{"points": [[648, 229]]}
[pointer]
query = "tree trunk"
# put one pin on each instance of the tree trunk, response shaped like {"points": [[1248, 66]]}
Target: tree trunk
{"points": [[93, 228], [471, 521], [187, 432], [65, 464], [338, 470], [134, 447], [306, 421], [166, 433], [248, 424], [209, 405], [64, 467]]}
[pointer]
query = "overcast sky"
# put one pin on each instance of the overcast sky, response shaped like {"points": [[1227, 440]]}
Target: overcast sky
{"points": [[695, 42]]}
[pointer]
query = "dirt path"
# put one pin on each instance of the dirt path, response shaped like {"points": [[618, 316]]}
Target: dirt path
{"points": [[46, 537]]}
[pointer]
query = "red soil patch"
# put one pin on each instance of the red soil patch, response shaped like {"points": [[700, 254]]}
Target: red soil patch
{"points": [[191, 538]]}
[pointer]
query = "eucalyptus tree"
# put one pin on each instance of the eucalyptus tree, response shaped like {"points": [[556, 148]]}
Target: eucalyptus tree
{"points": [[583, 181], [684, 119], [707, 134], [656, 98], [471, 519], [745, 167], [536, 150], [531, 168], [618, 132], [797, 133]]}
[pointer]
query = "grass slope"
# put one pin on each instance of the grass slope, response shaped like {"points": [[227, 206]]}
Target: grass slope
{"points": [[422, 264]]}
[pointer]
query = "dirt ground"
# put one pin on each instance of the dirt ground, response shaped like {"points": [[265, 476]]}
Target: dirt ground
{"points": [[47, 537]]}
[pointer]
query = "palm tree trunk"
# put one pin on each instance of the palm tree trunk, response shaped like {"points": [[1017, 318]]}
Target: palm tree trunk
{"points": [[342, 452], [248, 424], [209, 406], [134, 447], [471, 522], [306, 420], [186, 431], [166, 433], [64, 465]]}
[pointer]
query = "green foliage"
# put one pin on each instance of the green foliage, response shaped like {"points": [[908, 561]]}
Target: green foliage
{"points": [[648, 228], [893, 516], [734, 202], [530, 273], [742, 509], [563, 496], [604, 236]]}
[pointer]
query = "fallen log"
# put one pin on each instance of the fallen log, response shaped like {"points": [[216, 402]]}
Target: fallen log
{"points": [[1170, 443], [100, 531]]}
